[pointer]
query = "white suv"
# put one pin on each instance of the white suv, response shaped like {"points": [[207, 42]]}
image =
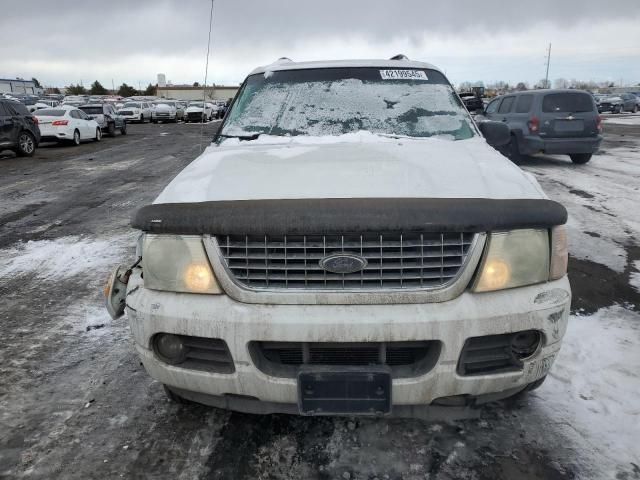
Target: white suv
{"points": [[351, 244]]}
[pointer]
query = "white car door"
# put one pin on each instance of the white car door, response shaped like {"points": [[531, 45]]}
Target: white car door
{"points": [[87, 125], [76, 124]]}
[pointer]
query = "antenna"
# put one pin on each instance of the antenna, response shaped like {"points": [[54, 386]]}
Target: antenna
{"points": [[206, 74], [546, 76]]}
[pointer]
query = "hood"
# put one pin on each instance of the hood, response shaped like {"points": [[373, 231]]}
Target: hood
{"points": [[612, 99], [357, 165], [194, 109], [164, 108]]}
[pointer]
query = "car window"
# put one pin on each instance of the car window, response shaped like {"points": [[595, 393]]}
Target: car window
{"points": [[505, 107], [132, 105], [50, 112], [83, 115], [493, 106], [74, 114], [567, 102], [336, 101], [92, 110], [523, 104], [17, 109]]}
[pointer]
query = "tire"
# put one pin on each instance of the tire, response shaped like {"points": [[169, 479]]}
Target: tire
{"points": [[123, 130], [154, 121], [141, 118], [580, 158], [26, 145], [617, 109], [635, 109], [76, 138], [533, 385], [512, 151], [111, 130], [98, 135], [174, 397]]}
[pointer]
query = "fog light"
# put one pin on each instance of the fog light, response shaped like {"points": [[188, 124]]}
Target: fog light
{"points": [[525, 344], [170, 348]]}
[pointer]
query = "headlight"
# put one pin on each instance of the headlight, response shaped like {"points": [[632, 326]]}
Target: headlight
{"points": [[177, 263], [559, 253], [514, 259]]}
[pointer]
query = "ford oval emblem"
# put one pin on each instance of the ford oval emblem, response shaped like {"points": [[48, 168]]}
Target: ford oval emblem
{"points": [[343, 263]]}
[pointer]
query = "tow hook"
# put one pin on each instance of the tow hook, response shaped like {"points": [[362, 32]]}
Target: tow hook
{"points": [[115, 291]]}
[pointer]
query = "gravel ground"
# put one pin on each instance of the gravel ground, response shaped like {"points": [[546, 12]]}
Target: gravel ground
{"points": [[75, 401]]}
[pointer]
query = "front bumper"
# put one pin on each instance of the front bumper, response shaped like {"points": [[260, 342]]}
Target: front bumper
{"points": [[532, 144], [543, 307]]}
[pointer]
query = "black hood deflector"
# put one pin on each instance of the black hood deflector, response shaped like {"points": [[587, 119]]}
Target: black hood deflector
{"points": [[348, 215]]}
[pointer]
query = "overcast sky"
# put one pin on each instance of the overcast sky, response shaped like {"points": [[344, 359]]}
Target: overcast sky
{"points": [[61, 41]]}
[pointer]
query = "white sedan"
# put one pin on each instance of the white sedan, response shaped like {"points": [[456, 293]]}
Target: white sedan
{"points": [[67, 123]]}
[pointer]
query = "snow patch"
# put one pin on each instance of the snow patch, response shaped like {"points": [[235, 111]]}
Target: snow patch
{"points": [[594, 386], [624, 120], [63, 257]]}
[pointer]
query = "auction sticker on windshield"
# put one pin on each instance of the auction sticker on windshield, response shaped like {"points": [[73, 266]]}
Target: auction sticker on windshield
{"points": [[403, 75]]}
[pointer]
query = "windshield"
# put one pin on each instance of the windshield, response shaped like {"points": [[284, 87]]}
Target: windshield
{"points": [[567, 102], [132, 104], [408, 102], [92, 110], [196, 104], [46, 112]]}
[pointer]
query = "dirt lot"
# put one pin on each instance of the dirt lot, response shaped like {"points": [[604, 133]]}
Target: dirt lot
{"points": [[76, 403]]}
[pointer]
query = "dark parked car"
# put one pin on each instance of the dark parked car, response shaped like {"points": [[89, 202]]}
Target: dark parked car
{"points": [[618, 103], [472, 101], [18, 128], [549, 121], [107, 117]]}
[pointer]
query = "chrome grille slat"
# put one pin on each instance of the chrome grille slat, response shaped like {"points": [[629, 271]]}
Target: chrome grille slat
{"points": [[395, 260]]}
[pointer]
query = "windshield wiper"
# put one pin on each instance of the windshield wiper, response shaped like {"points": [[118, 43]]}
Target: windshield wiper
{"points": [[240, 137]]}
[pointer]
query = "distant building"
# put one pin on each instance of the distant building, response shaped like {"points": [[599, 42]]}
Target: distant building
{"points": [[162, 80], [18, 86], [188, 92]]}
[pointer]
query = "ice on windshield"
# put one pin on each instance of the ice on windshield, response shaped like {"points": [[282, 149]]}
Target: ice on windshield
{"points": [[335, 107]]}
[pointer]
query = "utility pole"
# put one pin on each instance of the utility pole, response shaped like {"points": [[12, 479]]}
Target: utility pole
{"points": [[113, 87], [546, 76]]}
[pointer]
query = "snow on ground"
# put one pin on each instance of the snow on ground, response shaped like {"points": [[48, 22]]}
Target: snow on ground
{"points": [[623, 120], [63, 257], [594, 387], [603, 209]]}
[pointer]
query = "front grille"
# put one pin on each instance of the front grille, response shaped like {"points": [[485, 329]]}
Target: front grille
{"points": [[125, 112], [195, 115], [394, 260], [206, 354], [404, 358]]}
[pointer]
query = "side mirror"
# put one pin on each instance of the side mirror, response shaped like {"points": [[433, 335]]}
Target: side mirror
{"points": [[496, 134]]}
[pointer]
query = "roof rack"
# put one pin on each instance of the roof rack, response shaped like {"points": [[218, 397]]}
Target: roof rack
{"points": [[284, 59], [399, 56]]}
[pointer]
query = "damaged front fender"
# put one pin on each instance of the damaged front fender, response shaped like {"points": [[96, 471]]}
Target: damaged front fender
{"points": [[116, 291]]}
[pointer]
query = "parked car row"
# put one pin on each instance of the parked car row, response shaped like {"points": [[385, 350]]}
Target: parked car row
{"points": [[618, 103], [22, 131]]}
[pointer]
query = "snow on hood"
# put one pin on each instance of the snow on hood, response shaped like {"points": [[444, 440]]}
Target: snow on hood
{"points": [[355, 165], [163, 106]]}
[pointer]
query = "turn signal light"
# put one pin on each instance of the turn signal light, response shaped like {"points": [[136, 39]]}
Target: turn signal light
{"points": [[599, 123], [534, 124]]}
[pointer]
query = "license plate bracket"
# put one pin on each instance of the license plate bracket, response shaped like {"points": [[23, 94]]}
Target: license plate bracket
{"points": [[344, 390]]}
